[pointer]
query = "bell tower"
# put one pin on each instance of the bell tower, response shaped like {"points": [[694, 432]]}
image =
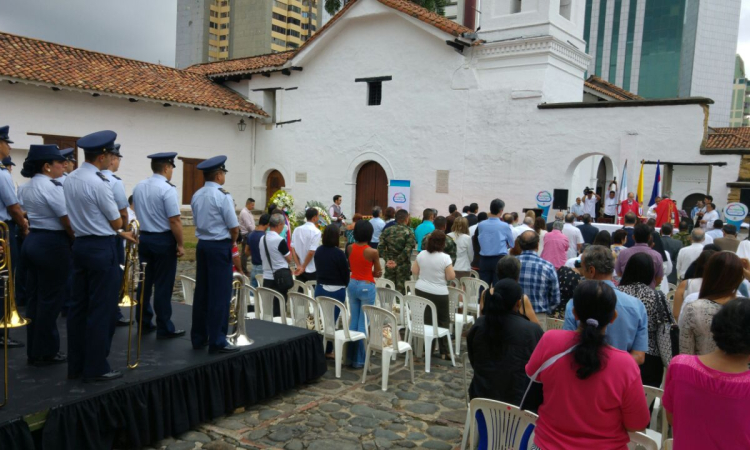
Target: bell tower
{"points": [[535, 47]]}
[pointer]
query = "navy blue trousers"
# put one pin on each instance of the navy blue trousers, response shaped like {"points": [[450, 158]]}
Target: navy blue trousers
{"points": [[91, 318], [46, 258], [159, 252], [120, 263], [15, 260], [213, 293]]}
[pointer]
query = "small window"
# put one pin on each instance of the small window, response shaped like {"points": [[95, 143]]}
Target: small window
{"points": [[374, 93]]}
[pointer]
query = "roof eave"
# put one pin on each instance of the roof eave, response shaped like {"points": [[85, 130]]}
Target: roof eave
{"points": [[287, 65], [139, 98]]}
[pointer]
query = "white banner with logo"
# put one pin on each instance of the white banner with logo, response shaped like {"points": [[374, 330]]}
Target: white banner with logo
{"points": [[399, 194]]}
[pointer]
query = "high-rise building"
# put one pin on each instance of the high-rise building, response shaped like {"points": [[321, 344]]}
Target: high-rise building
{"points": [[666, 48], [215, 30], [738, 115]]}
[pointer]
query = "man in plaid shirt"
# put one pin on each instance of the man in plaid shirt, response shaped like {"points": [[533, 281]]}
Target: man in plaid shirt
{"points": [[538, 277]]}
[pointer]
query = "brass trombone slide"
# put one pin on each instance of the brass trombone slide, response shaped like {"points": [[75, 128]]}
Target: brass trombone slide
{"points": [[238, 311], [140, 277]]}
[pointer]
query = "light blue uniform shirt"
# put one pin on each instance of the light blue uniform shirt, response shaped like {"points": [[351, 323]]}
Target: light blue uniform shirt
{"points": [[495, 237], [423, 229], [213, 213], [62, 178], [155, 201], [43, 199], [629, 331], [377, 227], [91, 204], [7, 194], [118, 189]]}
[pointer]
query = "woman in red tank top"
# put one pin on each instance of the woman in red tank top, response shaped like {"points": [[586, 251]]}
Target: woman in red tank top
{"points": [[365, 265]]}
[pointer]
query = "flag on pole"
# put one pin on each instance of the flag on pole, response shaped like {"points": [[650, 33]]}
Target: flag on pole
{"points": [[639, 190], [623, 184], [657, 181]]}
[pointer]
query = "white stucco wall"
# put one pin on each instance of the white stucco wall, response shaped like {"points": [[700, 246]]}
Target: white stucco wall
{"points": [[492, 144], [142, 128]]}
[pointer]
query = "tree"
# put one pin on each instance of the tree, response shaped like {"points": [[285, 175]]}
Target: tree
{"points": [[438, 6]]}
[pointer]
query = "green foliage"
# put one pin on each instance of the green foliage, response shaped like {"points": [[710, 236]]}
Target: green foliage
{"points": [[438, 6], [414, 222]]}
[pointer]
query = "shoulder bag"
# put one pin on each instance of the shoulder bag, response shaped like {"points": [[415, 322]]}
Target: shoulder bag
{"points": [[537, 390], [668, 335], [283, 276]]}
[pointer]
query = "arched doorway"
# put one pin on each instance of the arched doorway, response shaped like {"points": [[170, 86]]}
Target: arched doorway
{"points": [[274, 182], [691, 200], [372, 188]]}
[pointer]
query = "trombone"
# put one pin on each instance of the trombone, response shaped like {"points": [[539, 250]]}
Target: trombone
{"points": [[238, 311], [134, 272], [11, 318]]}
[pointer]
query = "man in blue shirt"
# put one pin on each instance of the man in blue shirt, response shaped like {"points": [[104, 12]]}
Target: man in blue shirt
{"points": [[629, 331], [495, 238], [425, 228], [377, 226], [252, 248]]}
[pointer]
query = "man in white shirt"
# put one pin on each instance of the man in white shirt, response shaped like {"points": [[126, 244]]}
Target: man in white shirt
{"points": [[716, 232], [377, 226], [247, 226], [577, 208], [711, 216], [335, 212], [305, 240], [610, 206], [589, 203], [651, 213], [575, 238], [689, 254], [527, 225], [275, 255]]}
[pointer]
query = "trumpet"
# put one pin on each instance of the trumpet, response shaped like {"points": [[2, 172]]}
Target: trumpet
{"points": [[237, 312], [134, 272], [11, 318]]}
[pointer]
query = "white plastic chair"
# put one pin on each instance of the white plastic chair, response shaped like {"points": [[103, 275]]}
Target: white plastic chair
{"points": [[410, 287], [299, 287], [382, 267], [455, 283], [388, 298], [659, 428], [668, 444], [458, 320], [472, 287], [639, 441], [428, 333], [311, 285], [385, 282], [259, 279], [266, 297], [474, 274], [339, 337], [249, 292], [188, 289], [375, 321], [504, 425], [554, 324], [301, 307]]}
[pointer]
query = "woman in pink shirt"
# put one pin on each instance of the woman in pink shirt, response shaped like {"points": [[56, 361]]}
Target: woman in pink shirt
{"points": [[707, 396], [593, 394]]}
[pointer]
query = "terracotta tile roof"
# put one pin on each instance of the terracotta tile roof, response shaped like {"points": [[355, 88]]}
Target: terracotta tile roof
{"points": [[719, 139], [272, 61], [32, 60], [609, 89], [739, 131], [243, 65]]}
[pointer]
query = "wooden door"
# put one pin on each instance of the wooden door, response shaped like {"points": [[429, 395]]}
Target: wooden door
{"points": [[274, 182], [192, 178], [372, 188], [62, 142]]}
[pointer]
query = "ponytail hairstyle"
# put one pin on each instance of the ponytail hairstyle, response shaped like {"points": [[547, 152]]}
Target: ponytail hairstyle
{"points": [[506, 294], [31, 168], [594, 302]]}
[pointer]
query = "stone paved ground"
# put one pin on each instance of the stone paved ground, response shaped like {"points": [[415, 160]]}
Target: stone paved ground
{"points": [[343, 414]]}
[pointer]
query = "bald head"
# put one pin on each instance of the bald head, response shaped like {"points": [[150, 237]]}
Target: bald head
{"points": [[698, 235], [529, 240]]}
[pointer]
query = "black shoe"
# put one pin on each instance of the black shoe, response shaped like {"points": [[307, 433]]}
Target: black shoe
{"points": [[12, 343], [200, 346], [174, 334], [74, 375], [122, 322], [147, 328], [228, 349], [59, 358], [113, 375]]}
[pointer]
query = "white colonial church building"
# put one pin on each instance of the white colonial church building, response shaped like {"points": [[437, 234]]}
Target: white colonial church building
{"points": [[385, 91]]}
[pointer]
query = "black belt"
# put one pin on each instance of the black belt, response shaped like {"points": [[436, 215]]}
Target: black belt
{"points": [[152, 233], [493, 256], [42, 230]]}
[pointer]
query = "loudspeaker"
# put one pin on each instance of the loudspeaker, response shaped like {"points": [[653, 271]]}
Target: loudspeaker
{"points": [[560, 199]]}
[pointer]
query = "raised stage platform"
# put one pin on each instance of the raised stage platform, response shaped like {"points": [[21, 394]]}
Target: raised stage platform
{"points": [[174, 389]]}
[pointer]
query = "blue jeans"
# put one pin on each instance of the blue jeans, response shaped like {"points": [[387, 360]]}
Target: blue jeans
{"points": [[339, 295], [361, 293], [256, 270]]}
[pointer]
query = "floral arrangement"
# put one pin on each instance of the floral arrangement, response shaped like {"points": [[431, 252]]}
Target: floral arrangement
{"points": [[323, 218], [284, 201]]}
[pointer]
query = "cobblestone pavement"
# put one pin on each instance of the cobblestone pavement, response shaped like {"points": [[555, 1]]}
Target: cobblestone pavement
{"points": [[344, 414]]}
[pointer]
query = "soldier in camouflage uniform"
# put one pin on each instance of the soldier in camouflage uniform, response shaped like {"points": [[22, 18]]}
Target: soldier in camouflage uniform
{"points": [[450, 245], [684, 235], [395, 247]]}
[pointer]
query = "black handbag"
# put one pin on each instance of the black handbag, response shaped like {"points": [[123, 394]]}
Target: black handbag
{"points": [[674, 332], [282, 277]]}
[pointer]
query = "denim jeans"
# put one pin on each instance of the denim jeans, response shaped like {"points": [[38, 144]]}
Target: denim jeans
{"points": [[361, 293], [256, 270]]}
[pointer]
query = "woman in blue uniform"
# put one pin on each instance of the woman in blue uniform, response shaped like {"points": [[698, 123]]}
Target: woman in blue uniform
{"points": [[46, 253]]}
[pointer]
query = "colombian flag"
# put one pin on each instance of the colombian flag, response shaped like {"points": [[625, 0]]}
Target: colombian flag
{"points": [[639, 191]]}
